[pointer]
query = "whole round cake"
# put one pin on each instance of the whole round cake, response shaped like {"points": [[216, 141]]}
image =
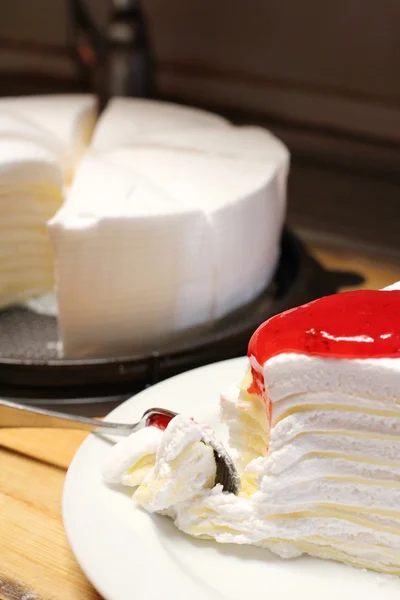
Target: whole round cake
{"points": [[152, 223]]}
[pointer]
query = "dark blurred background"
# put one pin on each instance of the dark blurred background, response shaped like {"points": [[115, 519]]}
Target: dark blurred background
{"points": [[323, 76]]}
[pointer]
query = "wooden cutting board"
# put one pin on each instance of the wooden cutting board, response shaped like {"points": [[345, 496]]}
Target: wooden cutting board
{"points": [[35, 560]]}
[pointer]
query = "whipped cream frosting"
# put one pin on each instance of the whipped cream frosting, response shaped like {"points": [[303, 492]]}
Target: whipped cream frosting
{"points": [[127, 120], [132, 458], [244, 142], [180, 464], [65, 121]]}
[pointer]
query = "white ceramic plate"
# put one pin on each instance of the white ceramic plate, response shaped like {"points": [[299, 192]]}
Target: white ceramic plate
{"points": [[127, 553]]}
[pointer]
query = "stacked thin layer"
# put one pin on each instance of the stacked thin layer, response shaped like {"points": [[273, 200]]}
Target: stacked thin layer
{"points": [[31, 184], [41, 140]]}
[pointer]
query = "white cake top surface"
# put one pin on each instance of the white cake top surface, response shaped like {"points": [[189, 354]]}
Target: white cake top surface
{"points": [[125, 120]]}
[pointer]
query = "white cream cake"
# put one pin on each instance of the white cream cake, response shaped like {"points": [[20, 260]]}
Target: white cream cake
{"points": [[315, 427]]}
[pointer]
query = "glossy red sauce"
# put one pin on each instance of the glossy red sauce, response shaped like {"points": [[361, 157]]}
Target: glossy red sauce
{"points": [[158, 420], [361, 324]]}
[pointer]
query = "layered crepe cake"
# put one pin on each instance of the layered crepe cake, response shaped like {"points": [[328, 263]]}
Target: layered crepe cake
{"points": [[315, 425], [122, 217]]}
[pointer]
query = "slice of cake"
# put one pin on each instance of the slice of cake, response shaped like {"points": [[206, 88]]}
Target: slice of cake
{"points": [[329, 375], [316, 427], [31, 185]]}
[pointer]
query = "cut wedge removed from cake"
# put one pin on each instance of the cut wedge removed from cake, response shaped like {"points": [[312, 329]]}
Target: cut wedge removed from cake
{"points": [[316, 427]]}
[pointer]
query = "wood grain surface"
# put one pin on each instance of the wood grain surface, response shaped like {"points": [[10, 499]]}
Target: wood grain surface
{"points": [[35, 560]]}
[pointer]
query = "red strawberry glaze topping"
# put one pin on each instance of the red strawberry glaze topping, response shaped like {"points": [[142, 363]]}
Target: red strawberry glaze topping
{"points": [[158, 420], [361, 324]]}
